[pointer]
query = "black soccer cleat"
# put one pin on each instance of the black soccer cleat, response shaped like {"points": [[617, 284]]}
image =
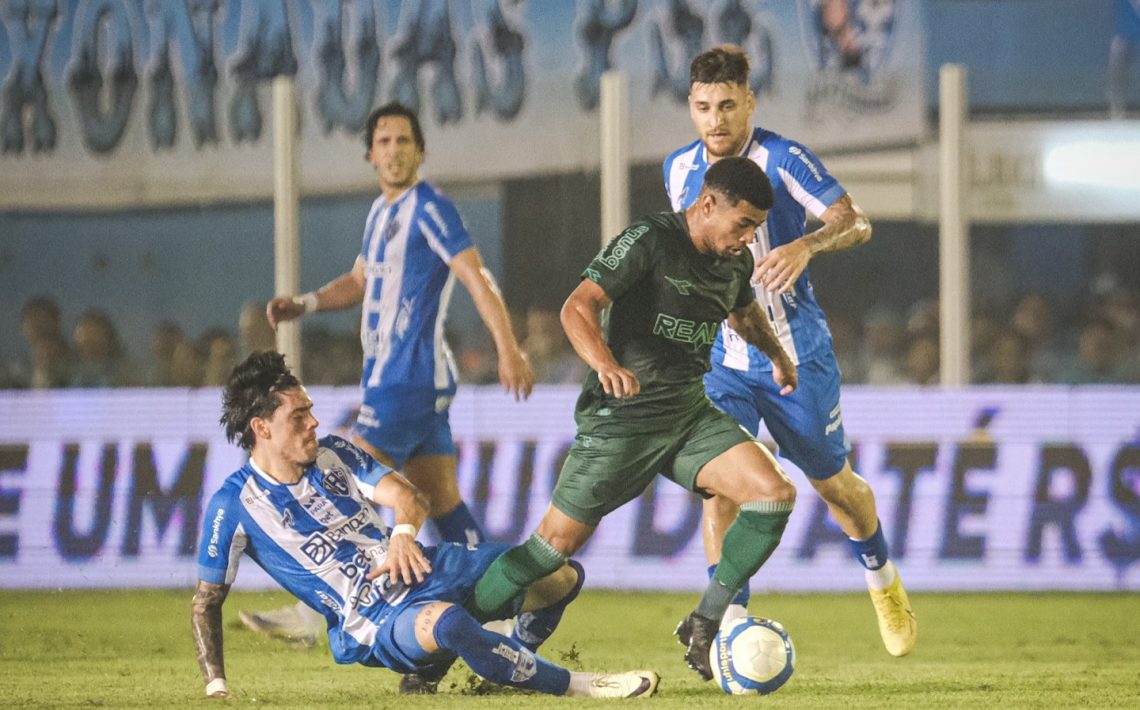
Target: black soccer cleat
{"points": [[696, 634], [416, 684], [426, 681]]}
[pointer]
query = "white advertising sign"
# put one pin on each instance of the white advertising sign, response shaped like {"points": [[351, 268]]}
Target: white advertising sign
{"points": [[979, 489]]}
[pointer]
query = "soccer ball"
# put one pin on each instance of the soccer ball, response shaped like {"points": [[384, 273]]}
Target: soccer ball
{"points": [[752, 656]]}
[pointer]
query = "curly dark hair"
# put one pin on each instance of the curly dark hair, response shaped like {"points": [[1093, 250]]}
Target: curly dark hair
{"points": [[738, 178], [392, 109], [253, 390]]}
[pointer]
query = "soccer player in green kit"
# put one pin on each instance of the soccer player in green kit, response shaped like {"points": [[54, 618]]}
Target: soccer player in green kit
{"points": [[668, 282]]}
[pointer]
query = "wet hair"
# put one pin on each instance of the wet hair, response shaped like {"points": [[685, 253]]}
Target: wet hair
{"points": [[392, 109], [726, 64], [738, 178], [253, 390]]}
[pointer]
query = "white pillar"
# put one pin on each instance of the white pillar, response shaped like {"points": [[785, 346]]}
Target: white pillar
{"points": [[286, 243], [954, 228], [614, 116]]}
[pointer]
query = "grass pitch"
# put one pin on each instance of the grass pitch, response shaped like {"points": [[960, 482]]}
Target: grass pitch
{"points": [[119, 649]]}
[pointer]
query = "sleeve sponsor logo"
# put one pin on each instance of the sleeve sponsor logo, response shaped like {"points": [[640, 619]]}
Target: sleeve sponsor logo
{"points": [[622, 245], [215, 532]]}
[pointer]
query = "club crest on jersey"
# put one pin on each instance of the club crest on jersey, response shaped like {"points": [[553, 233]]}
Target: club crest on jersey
{"points": [[335, 481]]}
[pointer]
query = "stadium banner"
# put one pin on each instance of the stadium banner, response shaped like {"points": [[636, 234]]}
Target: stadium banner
{"points": [[111, 103], [978, 489]]}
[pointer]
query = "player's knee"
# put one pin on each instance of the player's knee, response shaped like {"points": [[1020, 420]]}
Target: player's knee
{"points": [[427, 622]]}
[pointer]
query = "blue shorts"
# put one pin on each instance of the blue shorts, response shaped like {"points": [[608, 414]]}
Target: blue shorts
{"points": [[806, 425], [455, 568], [404, 427]]}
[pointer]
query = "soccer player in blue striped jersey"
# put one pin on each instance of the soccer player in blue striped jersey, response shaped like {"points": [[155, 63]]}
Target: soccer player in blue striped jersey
{"points": [[302, 509], [806, 424], [414, 246]]}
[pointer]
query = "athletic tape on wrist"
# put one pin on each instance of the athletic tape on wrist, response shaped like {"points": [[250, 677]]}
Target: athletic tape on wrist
{"points": [[307, 301], [403, 529]]}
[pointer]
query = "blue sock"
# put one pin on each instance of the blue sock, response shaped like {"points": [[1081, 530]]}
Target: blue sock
{"points": [[497, 658], [872, 552], [534, 627], [742, 596], [459, 526]]}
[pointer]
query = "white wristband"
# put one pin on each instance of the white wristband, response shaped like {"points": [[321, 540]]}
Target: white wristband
{"points": [[403, 529], [216, 685], [307, 302]]}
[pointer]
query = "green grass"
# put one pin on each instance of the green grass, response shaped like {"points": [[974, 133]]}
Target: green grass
{"points": [[118, 649]]}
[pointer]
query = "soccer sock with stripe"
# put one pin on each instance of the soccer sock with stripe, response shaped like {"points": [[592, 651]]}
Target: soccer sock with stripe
{"points": [[510, 575], [748, 543], [742, 596], [534, 627], [459, 526], [495, 657]]}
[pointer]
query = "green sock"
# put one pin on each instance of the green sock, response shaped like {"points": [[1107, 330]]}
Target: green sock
{"points": [[510, 575], [748, 543]]}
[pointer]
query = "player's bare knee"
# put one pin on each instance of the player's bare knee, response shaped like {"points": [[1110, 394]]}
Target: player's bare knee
{"points": [[562, 532], [426, 620]]}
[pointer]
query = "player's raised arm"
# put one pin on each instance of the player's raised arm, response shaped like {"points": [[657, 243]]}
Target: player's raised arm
{"points": [[206, 620], [342, 292], [514, 371], [405, 560], [581, 319], [750, 323]]}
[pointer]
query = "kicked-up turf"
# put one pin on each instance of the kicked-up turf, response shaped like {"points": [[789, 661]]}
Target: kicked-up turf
{"points": [[120, 649]]}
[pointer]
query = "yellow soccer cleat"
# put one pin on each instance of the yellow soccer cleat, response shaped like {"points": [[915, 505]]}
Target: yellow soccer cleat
{"points": [[897, 623]]}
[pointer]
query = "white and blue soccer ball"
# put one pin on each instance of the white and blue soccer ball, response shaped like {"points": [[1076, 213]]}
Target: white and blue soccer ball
{"points": [[751, 656]]}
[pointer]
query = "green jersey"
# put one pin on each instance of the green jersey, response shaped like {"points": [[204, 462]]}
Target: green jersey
{"points": [[669, 300]]}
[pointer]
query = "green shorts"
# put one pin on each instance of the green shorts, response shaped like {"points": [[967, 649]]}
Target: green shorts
{"points": [[614, 460]]}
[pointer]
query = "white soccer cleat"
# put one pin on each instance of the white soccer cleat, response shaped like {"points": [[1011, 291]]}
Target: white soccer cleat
{"points": [[287, 624], [897, 623], [631, 684]]}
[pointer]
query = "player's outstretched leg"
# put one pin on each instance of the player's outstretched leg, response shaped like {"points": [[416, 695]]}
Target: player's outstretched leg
{"points": [[505, 661]]}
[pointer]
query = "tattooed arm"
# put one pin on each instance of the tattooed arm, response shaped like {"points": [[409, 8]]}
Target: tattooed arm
{"points": [[752, 325], [206, 620]]}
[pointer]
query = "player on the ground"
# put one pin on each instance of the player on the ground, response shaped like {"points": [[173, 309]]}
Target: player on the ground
{"points": [[414, 245], [807, 425], [668, 281], [302, 509]]}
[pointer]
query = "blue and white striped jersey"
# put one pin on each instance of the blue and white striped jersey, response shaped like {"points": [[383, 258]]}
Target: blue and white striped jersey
{"points": [[317, 538], [800, 183], [407, 248]]}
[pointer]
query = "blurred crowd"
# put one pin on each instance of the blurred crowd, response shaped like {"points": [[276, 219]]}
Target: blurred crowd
{"points": [[1026, 345], [91, 353], [882, 347]]}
